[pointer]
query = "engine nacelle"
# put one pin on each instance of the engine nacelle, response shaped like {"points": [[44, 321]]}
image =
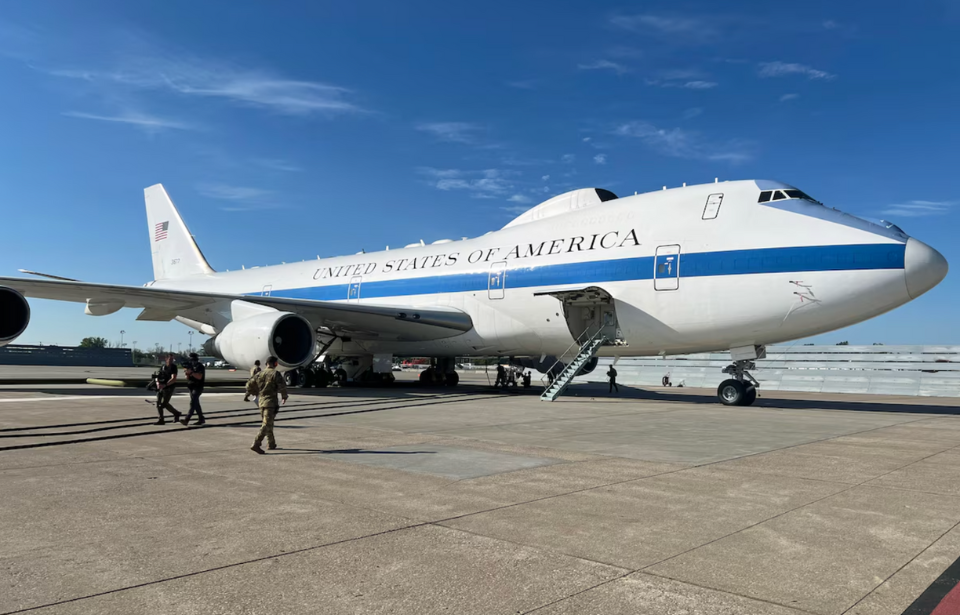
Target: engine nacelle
{"points": [[287, 336], [589, 366], [14, 315]]}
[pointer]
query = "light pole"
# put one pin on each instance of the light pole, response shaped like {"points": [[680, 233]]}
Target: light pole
{"points": [[179, 345], [190, 333], [133, 352], [121, 337]]}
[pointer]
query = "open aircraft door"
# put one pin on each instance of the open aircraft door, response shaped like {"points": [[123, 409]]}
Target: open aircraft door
{"points": [[666, 268], [497, 282], [589, 311]]}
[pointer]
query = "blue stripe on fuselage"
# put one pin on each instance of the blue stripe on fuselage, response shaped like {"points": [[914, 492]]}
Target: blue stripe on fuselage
{"points": [[697, 264]]}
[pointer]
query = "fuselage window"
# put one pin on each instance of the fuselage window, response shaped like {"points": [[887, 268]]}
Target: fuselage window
{"points": [[765, 196]]}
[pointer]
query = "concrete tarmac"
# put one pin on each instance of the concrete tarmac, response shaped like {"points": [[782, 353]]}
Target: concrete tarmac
{"points": [[417, 500]]}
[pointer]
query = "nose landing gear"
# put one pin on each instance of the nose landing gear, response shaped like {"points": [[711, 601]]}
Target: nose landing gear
{"points": [[741, 390]]}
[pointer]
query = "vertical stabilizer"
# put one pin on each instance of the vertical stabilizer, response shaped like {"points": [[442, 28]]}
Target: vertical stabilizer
{"points": [[175, 253]]}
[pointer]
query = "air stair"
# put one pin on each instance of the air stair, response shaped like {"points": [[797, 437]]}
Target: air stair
{"points": [[588, 346]]}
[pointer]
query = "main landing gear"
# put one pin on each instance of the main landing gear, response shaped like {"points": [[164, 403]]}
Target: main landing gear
{"points": [[741, 390]]}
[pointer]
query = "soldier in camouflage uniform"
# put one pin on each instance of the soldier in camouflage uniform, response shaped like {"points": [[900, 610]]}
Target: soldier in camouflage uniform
{"points": [[266, 385]]}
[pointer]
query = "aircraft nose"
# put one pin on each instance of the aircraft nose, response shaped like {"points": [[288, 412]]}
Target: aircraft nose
{"points": [[923, 267]]}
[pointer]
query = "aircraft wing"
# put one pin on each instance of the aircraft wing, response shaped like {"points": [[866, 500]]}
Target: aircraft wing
{"points": [[363, 321]]}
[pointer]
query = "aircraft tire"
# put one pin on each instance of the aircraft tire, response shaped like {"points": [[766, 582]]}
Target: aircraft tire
{"points": [[452, 379], [750, 396], [732, 392], [293, 378]]}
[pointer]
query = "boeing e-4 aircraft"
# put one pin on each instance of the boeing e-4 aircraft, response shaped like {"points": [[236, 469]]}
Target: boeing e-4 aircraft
{"points": [[723, 266]]}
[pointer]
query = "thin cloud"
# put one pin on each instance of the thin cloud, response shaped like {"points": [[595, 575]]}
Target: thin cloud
{"points": [[529, 84], [917, 208], [193, 77], [545, 178], [619, 69], [691, 113], [686, 78], [149, 123], [483, 184], [662, 24], [699, 85], [277, 164], [520, 198], [227, 192], [830, 25], [787, 97], [439, 173], [780, 69], [452, 132], [679, 143], [515, 209], [567, 158], [600, 159]]}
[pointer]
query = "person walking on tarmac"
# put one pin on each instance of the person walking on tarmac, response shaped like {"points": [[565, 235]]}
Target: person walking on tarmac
{"points": [[166, 378], [253, 372], [612, 375], [267, 384], [196, 375], [501, 376]]}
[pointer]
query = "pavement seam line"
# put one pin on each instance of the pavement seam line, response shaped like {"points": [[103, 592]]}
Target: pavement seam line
{"points": [[727, 591], [922, 551], [851, 487], [895, 572], [215, 569]]}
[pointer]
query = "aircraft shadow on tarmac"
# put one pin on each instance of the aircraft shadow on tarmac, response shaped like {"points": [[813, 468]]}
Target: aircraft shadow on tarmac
{"points": [[346, 451], [350, 391], [708, 398]]}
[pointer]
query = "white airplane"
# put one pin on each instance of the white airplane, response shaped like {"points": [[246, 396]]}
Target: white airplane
{"points": [[723, 266]]}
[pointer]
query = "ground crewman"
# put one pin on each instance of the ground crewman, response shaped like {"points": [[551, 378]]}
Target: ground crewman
{"points": [[166, 377], [196, 375], [266, 385], [256, 369], [612, 375]]}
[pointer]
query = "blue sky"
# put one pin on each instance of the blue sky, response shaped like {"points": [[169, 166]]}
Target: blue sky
{"points": [[285, 132]]}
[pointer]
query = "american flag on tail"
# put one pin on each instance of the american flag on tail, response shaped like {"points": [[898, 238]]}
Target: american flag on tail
{"points": [[160, 231]]}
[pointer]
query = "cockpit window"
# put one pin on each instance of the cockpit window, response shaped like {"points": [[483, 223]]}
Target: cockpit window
{"points": [[779, 195]]}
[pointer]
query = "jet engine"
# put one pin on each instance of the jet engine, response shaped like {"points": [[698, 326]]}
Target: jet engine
{"points": [[14, 315], [589, 366], [287, 336]]}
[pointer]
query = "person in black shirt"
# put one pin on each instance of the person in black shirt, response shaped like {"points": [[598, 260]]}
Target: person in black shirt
{"points": [[196, 375], [612, 375], [166, 377]]}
